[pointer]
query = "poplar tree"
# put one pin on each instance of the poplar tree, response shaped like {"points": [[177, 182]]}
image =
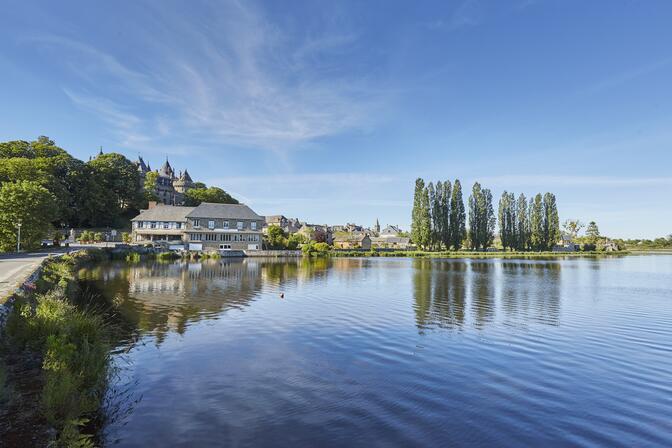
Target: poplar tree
{"points": [[434, 214], [457, 228], [551, 221], [522, 224], [537, 223], [425, 224], [508, 220], [445, 213], [481, 218], [416, 213]]}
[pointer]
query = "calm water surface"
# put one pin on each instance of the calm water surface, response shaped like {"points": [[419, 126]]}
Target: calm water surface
{"points": [[393, 352]]}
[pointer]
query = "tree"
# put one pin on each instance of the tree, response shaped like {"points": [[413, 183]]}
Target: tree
{"points": [[592, 232], [457, 217], [149, 186], [416, 212], [432, 197], [30, 204], [119, 183], [481, 218], [275, 237], [572, 227], [508, 221], [425, 224], [537, 223], [376, 228], [522, 224], [551, 221], [444, 218], [195, 196]]}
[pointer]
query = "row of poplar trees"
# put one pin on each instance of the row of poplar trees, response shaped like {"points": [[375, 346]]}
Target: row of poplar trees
{"points": [[439, 219]]}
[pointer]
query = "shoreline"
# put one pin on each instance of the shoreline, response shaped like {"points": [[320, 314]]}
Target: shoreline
{"points": [[477, 255]]}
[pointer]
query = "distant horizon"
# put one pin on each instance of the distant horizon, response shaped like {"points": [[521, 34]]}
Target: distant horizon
{"points": [[329, 112]]}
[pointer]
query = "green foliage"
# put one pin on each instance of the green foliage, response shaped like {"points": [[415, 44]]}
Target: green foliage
{"points": [[421, 215], [481, 218], [592, 232], [315, 249], [126, 238], [74, 348], [98, 237], [536, 210], [195, 196], [508, 221], [119, 194], [275, 237], [133, 257], [522, 224], [458, 229], [29, 203]]}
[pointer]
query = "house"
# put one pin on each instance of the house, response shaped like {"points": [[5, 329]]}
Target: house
{"points": [[223, 227], [353, 241], [390, 231], [160, 223], [391, 242], [610, 246], [288, 225], [566, 245]]}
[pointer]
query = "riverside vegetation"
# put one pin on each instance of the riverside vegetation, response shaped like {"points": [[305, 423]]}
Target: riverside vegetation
{"points": [[54, 322]]}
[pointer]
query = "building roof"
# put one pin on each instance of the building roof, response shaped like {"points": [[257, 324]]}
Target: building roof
{"points": [[350, 238], [166, 170], [391, 240], [164, 213], [185, 176], [274, 219], [230, 211]]}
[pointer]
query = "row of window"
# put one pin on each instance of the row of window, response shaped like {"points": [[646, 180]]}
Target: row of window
{"points": [[158, 225], [240, 225], [223, 237]]}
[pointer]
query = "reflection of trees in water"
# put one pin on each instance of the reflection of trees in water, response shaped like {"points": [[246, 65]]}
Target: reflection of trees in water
{"points": [[530, 291], [439, 291], [160, 297], [482, 292]]}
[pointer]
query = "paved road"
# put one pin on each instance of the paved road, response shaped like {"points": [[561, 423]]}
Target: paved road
{"points": [[15, 268]]}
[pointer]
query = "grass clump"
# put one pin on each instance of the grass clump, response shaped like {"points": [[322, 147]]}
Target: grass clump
{"points": [[74, 348]]}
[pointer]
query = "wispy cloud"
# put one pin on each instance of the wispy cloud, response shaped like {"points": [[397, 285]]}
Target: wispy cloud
{"points": [[531, 180], [227, 76]]}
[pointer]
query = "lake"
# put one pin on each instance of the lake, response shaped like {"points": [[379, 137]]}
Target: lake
{"points": [[391, 352]]}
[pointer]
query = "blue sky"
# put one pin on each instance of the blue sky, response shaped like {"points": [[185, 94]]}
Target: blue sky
{"points": [[328, 111]]}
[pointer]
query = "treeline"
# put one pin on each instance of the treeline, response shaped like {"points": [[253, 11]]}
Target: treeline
{"points": [[45, 188], [439, 220]]}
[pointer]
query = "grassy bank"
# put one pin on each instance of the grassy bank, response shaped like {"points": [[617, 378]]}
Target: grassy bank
{"points": [[470, 254], [72, 341]]}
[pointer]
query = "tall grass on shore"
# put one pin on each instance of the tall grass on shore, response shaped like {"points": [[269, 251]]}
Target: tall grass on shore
{"points": [[73, 344]]}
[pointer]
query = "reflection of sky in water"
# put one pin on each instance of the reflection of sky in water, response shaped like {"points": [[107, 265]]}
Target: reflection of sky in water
{"points": [[396, 351]]}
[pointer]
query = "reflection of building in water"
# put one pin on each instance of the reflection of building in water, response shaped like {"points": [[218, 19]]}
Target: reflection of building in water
{"points": [[529, 291]]}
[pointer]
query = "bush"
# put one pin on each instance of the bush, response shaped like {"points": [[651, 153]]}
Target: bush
{"points": [[126, 238], [97, 237]]}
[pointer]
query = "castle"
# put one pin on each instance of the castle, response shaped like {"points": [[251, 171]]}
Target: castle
{"points": [[169, 188]]}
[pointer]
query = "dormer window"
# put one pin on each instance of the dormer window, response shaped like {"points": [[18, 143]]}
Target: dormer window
{"points": [[211, 225], [239, 226]]}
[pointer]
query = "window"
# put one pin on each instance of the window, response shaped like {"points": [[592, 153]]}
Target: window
{"points": [[178, 225], [197, 222], [153, 225], [211, 224], [166, 225], [239, 226], [253, 225], [225, 246], [226, 225], [196, 237], [211, 237]]}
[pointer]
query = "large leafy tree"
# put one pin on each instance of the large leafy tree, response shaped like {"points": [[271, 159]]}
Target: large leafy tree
{"points": [[433, 196], [119, 192], [195, 196], [458, 228], [28, 203]]}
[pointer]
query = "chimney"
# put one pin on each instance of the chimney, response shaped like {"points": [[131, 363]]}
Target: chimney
{"points": [[151, 205]]}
